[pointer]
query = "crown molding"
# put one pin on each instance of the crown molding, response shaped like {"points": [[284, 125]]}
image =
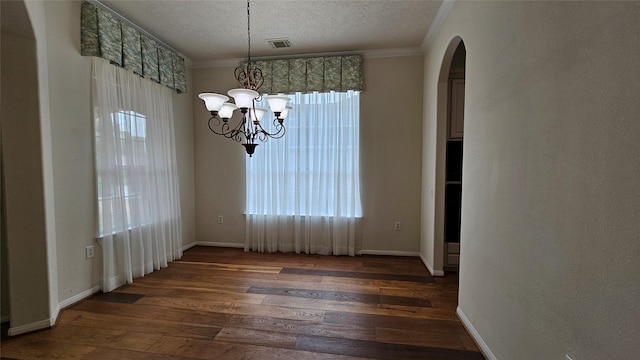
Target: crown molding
{"points": [[437, 22], [368, 54], [389, 53]]}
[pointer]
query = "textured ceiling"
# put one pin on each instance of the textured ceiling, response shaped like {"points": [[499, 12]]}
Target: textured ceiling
{"points": [[217, 29]]}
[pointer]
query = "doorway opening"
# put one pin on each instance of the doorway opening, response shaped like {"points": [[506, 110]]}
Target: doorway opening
{"points": [[453, 156]]}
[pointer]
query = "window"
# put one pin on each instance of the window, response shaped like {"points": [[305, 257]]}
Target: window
{"points": [[314, 169], [131, 164], [139, 220]]}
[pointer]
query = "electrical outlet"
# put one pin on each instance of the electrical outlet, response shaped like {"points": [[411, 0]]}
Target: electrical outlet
{"points": [[220, 219], [88, 252], [397, 226]]}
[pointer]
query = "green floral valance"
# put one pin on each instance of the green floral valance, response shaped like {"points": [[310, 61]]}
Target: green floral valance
{"points": [[328, 73], [104, 35]]}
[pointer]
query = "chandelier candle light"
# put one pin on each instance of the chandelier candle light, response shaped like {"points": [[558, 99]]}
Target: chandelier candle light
{"points": [[249, 128]]}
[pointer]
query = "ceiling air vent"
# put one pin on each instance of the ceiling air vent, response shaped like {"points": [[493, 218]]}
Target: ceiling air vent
{"points": [[280, 43]]}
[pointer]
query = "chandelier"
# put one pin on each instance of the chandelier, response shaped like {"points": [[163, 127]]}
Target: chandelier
{"points": [[249, 129]]}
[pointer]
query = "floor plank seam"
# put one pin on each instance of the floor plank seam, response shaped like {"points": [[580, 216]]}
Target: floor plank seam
{"points": [[226, 304]]}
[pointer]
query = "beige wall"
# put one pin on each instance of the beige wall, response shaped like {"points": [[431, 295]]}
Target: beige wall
{"points": [[183, 117], [390, 122], [550, 199], [37, 16], [67, 170], [390, 153], [219, 167], [550, 229], [72, 151], [28, 281]]}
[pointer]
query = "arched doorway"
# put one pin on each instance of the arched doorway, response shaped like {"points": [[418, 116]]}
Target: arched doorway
{"points": [[24, 238], [453, 165], [450, 134]]}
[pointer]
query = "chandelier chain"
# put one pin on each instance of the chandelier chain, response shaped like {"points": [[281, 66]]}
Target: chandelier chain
{"points": [[248, 33], [249, 127]]}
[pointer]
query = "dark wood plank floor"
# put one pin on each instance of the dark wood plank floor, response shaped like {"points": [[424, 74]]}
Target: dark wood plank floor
{"points": [[218, 303]]}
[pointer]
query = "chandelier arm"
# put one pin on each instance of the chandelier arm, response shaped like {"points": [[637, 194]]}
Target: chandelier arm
{"points": [[226, 130], [256, 132], [241, 76], [236, 135], [240, 130], [279, 125], [217, 122], [264, 134], [257, 77], [223, 126], [280, 133]]}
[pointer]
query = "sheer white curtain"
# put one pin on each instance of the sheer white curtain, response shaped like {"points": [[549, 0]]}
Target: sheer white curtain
{"points": [[138, 200], [303, 190]]}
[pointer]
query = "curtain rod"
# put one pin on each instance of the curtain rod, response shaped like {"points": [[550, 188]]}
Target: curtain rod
{"points": [[131, 23]]}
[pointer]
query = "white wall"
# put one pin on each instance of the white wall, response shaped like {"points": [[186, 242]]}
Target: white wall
{"points": [[550, 203], [390, 159]]}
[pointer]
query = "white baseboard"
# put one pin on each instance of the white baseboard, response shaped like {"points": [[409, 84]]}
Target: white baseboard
{"points": [[54, 316], [38, 325], [387, 252], [83, 295], [475, 335], [361, 252], [220, 244], [189, 246], [45, 324], [430, 267]]}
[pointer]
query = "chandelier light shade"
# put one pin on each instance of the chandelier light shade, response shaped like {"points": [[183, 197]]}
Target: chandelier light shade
{"points": [[243, 97], [249, 128], [277, 103], [257, 114], [285, 112], [227, 110], [212, 101]]}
